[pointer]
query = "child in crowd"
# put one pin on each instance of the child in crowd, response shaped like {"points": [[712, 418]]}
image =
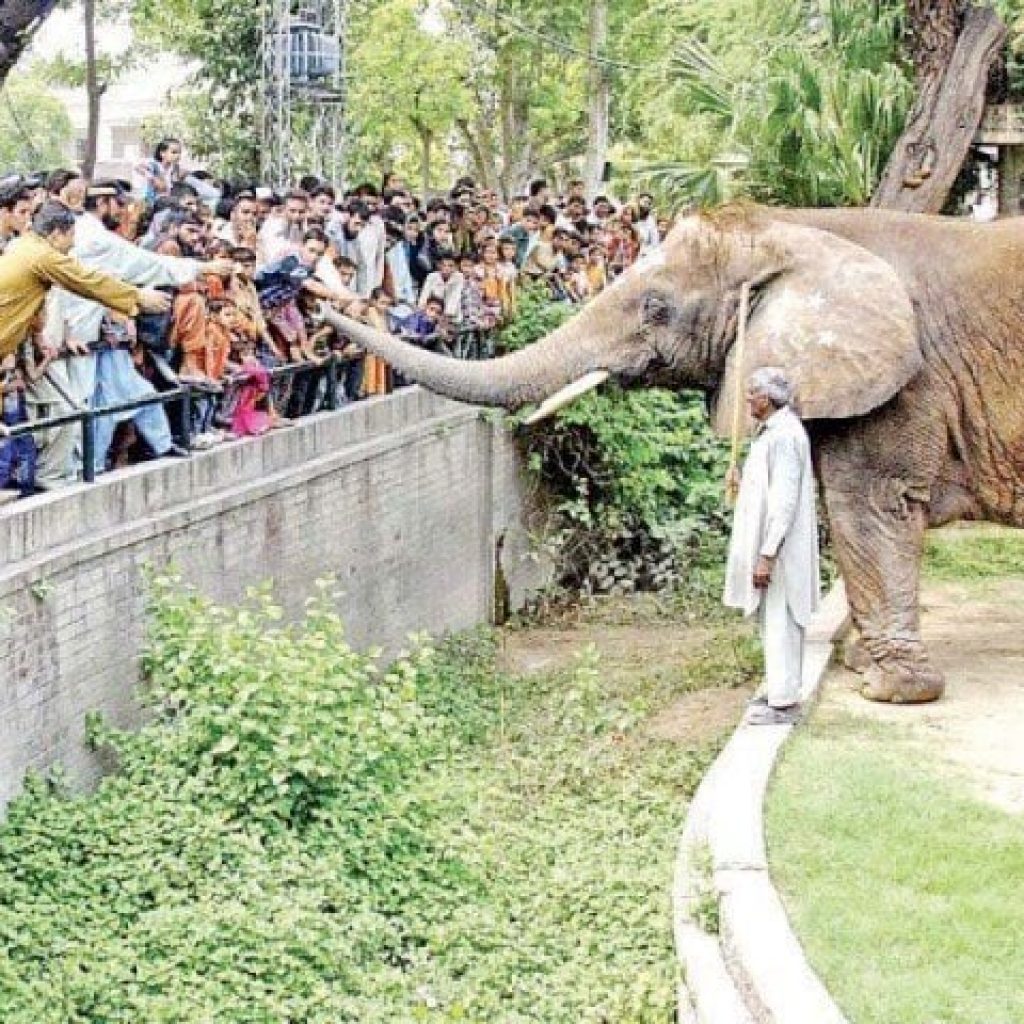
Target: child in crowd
{"points": [[18, 455], [474, 312], [508, 271], [252, 414], [377, 373], [426, 327], [578, 281], [498, 289], [243, 295], [597, 270]]}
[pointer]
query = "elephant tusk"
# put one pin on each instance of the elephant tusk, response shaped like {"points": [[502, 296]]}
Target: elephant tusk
{"points": [[560, 399]]}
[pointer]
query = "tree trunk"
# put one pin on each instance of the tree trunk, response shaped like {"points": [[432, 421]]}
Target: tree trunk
{"points": [[600, 98], [515, 86], [94, 90], [426, 144], [953, 46], [19, 21], [480, 152]]}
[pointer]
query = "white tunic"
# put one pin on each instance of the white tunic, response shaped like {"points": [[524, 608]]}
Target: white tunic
{"points": [[775, 515], [104, 250]]}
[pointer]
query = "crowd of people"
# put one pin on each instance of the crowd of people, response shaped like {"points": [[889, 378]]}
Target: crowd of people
{"points": [[113, 291]]}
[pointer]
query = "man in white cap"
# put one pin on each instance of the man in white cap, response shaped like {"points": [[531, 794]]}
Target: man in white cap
{"points": [[773, 552]]}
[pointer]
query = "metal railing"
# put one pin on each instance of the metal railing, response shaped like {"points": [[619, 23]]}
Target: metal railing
{"points": [[466, 344]]}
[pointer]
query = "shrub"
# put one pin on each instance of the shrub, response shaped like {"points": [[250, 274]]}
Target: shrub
{"points": [[638, 476], [299, 837]]}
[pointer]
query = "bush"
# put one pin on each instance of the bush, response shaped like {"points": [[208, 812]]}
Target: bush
{"points": [[299, 838], [638, 475]]}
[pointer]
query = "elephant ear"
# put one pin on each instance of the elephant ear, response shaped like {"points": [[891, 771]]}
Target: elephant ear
{"points": [[838, 319]]}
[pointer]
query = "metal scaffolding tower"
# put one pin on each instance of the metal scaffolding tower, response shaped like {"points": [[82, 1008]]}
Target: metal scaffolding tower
{"points": [[303, 100]]}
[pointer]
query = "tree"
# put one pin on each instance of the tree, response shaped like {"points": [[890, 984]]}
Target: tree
{"points": [[599, 88], [408, 90], [19, 22], [220, 106], [35, 129], [94, 73], [806, 110], [531, 81], [953, 45]]}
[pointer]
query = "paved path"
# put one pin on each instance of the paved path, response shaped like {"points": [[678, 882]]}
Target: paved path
{"points": [[975, 631]]}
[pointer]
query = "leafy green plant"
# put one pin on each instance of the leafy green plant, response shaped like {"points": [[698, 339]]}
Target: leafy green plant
{"points": [[806, 118], [638, 476], [535, 316], [298, 835]]}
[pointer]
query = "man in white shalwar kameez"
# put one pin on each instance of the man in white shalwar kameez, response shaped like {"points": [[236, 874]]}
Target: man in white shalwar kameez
{"points": [[773, 552]]}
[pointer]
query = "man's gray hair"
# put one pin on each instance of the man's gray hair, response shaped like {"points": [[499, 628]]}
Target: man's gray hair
{"points": [[772, 382]]}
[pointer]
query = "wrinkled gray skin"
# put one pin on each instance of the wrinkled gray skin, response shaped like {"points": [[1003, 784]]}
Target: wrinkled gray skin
{"points": [[903, 336]]}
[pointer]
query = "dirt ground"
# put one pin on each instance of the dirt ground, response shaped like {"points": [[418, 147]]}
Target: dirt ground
{"points": [[975, 632], [630, 651]]}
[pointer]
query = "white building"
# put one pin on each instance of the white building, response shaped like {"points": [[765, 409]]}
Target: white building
{"points": [[129, 100]]}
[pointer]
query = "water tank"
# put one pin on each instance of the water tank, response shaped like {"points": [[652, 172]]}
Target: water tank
{"points": [[313, 54]]}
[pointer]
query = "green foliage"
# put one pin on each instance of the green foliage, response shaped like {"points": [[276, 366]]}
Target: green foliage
{"points": [[35, 129], [297, 836], [218, 110], [638, 473], [408, 91], [536, 315], [802, 109], [974, 553]]}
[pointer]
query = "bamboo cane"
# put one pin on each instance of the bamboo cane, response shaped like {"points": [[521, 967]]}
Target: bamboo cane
{"points": [[732, 477]]}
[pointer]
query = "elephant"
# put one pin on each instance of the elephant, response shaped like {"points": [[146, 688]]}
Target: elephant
{"points": [[903, 335]]}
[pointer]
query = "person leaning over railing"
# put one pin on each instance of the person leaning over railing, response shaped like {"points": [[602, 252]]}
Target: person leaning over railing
{"points": [[117, 379], [376, 372], [279, 286], [39, 260]]}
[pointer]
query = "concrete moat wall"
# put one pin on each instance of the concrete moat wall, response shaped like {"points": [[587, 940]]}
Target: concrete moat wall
{"points": [[402, 499]]}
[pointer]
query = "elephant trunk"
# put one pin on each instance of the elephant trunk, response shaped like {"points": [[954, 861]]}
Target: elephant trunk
{"points": [[531, 375]]}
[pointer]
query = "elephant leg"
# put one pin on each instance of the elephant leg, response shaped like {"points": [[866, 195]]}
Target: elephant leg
{"points": [[878, 532]]}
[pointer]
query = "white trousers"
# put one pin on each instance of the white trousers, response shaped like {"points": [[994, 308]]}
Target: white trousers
{"points": [[782, 639]]}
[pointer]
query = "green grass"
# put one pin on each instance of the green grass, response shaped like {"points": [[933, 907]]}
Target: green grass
{"points": [[907, 893], [974, 553]]}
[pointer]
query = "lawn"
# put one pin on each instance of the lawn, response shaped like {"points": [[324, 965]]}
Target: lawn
{"points": [[906, 889]]}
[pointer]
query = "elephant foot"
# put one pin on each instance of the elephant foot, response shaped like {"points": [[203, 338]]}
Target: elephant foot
{"points": [[856, 656], [899, 679]]}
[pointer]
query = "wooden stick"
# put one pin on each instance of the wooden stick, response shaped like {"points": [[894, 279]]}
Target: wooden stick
{"points": [[732, 477]]}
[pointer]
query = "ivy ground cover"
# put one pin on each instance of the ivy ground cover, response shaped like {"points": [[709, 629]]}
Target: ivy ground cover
{"points": [[299, 837]]}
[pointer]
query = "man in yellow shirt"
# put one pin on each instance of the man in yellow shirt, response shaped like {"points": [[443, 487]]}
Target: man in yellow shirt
{"points": [[39, 260]]}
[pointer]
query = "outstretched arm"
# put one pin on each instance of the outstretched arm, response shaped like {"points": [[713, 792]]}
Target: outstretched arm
{"points": [[60, 269]]}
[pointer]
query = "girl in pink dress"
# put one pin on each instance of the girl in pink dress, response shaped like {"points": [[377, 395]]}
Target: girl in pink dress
{"points": [[251, 417]]}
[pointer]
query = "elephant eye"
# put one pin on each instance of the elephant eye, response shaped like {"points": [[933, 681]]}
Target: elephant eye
{"points": [[656, 311]]}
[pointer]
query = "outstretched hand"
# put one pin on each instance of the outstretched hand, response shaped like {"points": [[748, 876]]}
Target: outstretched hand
{"points": [[153, 301]]}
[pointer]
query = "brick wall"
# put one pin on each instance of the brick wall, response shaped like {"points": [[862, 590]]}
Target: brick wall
{"points": [[401, 499]]}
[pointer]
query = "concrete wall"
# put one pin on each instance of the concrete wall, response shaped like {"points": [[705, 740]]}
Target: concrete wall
{"points": [[402, 499]]}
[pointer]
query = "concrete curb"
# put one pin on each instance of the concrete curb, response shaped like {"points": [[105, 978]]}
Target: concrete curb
{"points": [[754, 970]]}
